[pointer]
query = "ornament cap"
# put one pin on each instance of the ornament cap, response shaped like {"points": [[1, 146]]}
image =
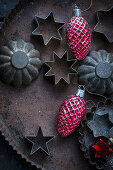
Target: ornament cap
{"points": [[77, 12], [111, 139], [80, 92]]}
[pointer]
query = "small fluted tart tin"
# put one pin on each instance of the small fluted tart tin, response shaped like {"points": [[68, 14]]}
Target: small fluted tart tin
{"points": [[97, 124], [19, 63], [23, 110], [96, 72]]}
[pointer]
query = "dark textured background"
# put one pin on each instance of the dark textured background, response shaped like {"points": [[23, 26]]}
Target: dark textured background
{"points": [[5, 6], [9, 160]]}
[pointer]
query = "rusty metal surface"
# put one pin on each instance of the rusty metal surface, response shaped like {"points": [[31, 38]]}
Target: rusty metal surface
{"points": [[23, 110]]}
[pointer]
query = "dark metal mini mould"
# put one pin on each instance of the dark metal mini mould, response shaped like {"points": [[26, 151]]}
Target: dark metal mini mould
{"points": [[105, 23], [48, 28], [19, 63], [96, 72], [59, 68]]}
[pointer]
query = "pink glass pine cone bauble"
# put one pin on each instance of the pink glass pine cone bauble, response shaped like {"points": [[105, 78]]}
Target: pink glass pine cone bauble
{"points": [[78, 35], [70, 114]]}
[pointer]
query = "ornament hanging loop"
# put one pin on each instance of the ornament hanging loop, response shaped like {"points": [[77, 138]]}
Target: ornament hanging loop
{"points": [[76, 7], [76, 11], [91, 2], [81, 91]]}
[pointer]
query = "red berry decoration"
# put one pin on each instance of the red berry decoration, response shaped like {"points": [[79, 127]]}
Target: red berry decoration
{"points": [[78, 35], [70, 113], [102, 149]]}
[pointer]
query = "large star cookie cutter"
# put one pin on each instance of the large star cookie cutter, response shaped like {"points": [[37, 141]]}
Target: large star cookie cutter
{"points": [[104, 24], [48, 28], [60, 68]]}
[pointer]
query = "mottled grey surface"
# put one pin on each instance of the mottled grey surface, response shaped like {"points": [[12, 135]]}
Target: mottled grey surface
{"points": [[5, 6]]}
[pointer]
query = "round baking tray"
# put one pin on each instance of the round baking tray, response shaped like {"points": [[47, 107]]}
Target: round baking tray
{"points": [[23, 110]]}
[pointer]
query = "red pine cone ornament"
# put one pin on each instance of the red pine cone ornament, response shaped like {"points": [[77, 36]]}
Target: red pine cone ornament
{"points": [[78, 35], [70, 114]]}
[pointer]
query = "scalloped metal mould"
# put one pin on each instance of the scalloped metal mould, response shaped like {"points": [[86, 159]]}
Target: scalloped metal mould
{"points": [[104, 25], [88, 132], [96, 72], [19, 63], [44, 28], [59, 68]]}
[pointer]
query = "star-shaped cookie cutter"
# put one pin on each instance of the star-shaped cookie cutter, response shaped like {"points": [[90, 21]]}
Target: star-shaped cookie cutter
{"points": [[59, 61], [99, 121], [48, 23], [39, 142], [102, 116], [104, 24]]}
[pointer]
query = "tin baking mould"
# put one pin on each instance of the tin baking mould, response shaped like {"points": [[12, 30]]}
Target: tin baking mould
{"points": [[104, 24], [97, 124], [59, 68], [96, 72], [19, 63], [48, 28]]}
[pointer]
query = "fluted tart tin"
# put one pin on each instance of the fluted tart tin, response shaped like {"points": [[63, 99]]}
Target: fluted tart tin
{"points": [[19, 63], [96, 72]]}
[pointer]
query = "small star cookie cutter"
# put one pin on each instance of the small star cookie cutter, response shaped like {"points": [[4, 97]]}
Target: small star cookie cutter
{"points": [[39, 142], [59, 63], [52, 28], [104, 24]]}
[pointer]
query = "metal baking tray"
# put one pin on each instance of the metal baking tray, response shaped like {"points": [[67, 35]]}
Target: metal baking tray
{"points": [[23, 110]]}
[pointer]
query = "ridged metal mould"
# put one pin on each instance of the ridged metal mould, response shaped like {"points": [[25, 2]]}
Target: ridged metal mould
{"points": [[96, 72], [97, 124], [19, 63]]}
